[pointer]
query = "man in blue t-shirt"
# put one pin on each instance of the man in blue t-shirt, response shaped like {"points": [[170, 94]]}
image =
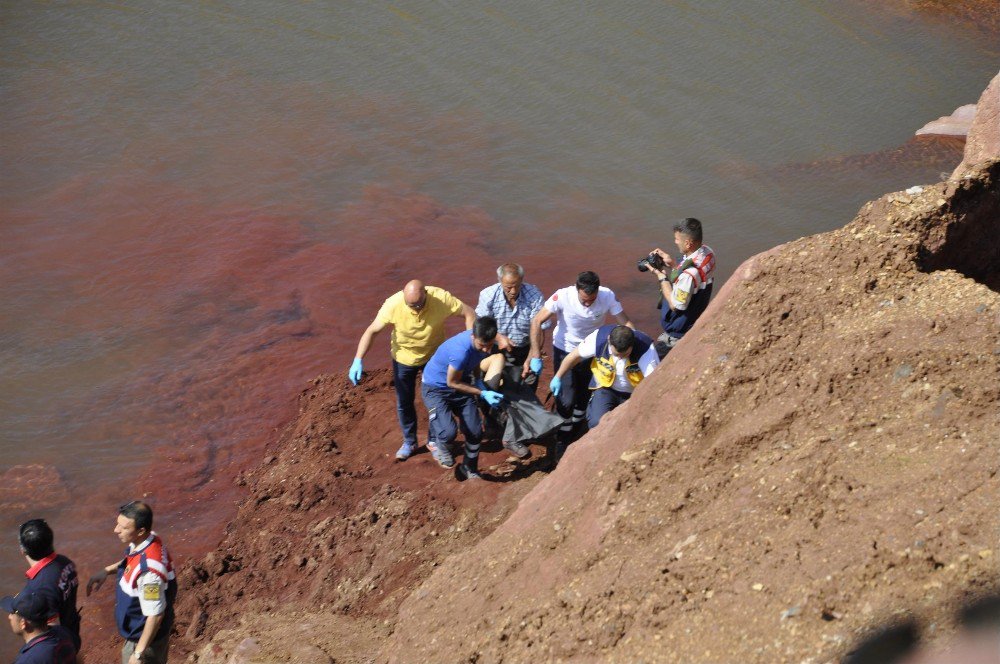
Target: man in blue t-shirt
{"points": [[448, 392]]}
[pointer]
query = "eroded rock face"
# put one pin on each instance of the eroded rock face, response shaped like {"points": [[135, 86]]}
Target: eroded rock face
{"points": [[983, 140]]}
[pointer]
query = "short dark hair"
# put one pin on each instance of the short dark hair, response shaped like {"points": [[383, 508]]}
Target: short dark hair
{"points": [[35, 537], [622, 338], [588, 282], [690, 227], [485, 328], [139, 512]]}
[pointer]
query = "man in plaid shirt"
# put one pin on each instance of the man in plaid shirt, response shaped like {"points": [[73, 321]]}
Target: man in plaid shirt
{"points": [[514, 303]]}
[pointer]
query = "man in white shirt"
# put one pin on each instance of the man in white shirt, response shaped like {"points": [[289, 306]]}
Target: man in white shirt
{"points": [[579, 310], [620, 358]]}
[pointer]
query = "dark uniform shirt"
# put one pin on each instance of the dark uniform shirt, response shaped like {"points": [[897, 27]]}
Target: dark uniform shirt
{"points": [[54, 578], [53, 647]]}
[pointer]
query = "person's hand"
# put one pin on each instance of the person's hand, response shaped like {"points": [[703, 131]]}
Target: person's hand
{"points": [[536, 365], [503, 342], [96, 581], [555, 385], [667, 258], [491, 397], [355, 372], [659, 274], [134, 659]]}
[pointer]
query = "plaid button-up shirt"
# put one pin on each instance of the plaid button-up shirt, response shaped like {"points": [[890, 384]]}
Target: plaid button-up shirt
{"points": [[515, 322]]}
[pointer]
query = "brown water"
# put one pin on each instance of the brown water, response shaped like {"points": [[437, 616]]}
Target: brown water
{"points": [[203, 203]]}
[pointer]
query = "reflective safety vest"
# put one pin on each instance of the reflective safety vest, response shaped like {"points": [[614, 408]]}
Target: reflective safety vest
{"points": [[699, 266], [152, 557], [603, 365]]}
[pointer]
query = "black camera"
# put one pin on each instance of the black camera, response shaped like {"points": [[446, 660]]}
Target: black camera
{"points": [[653, 260]]}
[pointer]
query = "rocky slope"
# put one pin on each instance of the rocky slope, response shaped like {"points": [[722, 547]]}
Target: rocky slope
{"points": [[820, 456], [817, 457]]}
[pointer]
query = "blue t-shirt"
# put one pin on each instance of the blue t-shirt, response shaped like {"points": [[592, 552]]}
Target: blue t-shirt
{"points": [[457, 352]]}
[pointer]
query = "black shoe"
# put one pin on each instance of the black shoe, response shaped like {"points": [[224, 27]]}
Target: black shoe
{"points": [[463, 472]]}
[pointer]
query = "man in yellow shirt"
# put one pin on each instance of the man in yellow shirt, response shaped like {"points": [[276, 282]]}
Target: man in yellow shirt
{"points": [[417, 315]]}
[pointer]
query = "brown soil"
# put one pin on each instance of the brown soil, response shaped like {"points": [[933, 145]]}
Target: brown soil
{"points": [[333, 524]]}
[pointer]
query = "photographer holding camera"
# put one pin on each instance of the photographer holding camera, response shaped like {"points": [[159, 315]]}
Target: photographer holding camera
{"points": [[685, 286]]}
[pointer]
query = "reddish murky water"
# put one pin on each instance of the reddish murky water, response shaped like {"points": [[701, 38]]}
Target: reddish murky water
{"points": [[202, 206]]}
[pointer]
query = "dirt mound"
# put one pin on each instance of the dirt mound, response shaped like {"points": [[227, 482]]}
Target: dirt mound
{"points": [[333, 524], [821, 454]]}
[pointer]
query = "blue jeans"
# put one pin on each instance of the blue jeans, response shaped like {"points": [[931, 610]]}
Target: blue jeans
{"points": [[602, 401], [404, 379], [442, 404]]}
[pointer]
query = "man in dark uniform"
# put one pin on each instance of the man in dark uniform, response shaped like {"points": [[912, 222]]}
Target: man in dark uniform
{"points": [[51, 575], [43, 644]]}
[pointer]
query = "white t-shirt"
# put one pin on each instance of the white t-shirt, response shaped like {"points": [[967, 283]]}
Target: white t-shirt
{"points": [[575, 321], [647, 362]]}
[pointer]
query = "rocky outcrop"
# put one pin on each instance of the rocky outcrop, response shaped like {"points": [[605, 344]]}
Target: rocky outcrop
{"points": [[983, 140], [956, 124]]}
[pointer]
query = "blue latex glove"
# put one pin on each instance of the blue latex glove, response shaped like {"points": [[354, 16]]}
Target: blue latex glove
{"points": [[355, 373], [535, 365], [555, 385], [492, 398]]}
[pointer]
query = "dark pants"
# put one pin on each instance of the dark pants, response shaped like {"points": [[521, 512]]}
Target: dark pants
{"points": [[442, 404], [404, 378], [571, 403], [603, 400]]}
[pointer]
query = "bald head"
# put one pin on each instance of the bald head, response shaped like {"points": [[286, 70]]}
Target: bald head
{"points": [[414, 294]]}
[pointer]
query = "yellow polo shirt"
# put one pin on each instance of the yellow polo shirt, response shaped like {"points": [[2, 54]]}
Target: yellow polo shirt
{"points": [[417, 334]]}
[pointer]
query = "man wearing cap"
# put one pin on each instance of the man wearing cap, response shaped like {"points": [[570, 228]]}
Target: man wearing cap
{"points": [[43, 643], [51, 575], [579, 310], [417, 315], [619, 359], [146, 589]]}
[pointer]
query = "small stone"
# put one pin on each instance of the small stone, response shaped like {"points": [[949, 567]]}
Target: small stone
{"points": [[985, 553], [758, 586]]}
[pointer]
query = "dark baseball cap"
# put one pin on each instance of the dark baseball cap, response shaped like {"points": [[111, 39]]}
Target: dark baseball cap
{"points": [[30, 606]]}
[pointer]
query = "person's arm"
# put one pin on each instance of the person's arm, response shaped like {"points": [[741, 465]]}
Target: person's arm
{"points": [[153, 604], [149, 631], [366, 339], [616, 310], [357, 366], [570, 361], [666, 288], [484, 307], [503, 342], [456, 383], [623, 319], [470, 315], [98, 578], [537, 335]]}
